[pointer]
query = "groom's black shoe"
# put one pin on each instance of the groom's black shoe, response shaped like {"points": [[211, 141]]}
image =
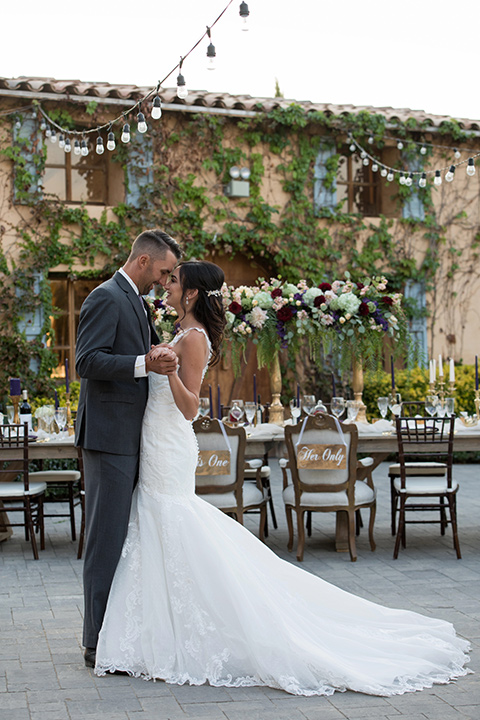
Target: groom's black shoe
{"points": [[90, 655]]}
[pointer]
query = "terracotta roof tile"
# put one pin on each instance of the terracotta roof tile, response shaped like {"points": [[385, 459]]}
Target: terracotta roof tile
{"points": [[213, 100]]}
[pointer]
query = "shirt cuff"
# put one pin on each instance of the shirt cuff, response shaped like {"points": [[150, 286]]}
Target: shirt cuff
{"points": [[140, 367]]}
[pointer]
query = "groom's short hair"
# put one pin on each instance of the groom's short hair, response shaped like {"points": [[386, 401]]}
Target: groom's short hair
{"points": [[155, 243]]}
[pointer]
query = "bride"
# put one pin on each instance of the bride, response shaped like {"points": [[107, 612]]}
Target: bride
{"points": [[197, 598]]}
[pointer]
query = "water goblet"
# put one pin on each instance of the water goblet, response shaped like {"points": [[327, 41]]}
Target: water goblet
{"points": [[10, 414], [308, 403], [395, 403], [337, 406], [61, 418], [449, 406], [353, 406], [204, 406], [250, 410], [295, 408], [382, 403], [431, 402]]}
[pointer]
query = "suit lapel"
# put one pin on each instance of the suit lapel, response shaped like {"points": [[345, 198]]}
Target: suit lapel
{"points": [[137, 307]]}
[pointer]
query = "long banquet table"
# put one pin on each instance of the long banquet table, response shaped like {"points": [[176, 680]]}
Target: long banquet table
{"points": [[261, 441]]}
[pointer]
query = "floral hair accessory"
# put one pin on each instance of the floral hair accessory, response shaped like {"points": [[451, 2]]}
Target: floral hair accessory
{"points": [[214, 292]]}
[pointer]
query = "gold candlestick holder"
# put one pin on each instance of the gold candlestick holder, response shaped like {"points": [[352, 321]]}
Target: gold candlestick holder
{"points": [[70, 428], [16, 403], [441, 392], [477, 403]]}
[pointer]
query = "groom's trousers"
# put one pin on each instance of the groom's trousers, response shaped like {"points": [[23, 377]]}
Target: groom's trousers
{"points": [[109, 483]]}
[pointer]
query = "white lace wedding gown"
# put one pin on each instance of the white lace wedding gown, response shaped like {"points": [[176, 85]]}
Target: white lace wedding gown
{"points": [[197, 598]]}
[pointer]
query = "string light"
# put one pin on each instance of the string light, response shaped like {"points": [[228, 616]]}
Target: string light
{"points": [[423, 180], [156, 110], [68, 145], [423, 150], [61, 141], [142, 125], [352, 147], [84, 147], [99, 147], [53, 136], [438, 177], [366, 161], [402, 179], [457, 153], [471, 167], [390, 176], [244, 13], [125, 138], [111, 141], [48, 131], [409, 180], [399, 145], [77, 150], [43, 125], [371, 140], [450, 174], [182, 91], [374, 167], [211, 54], [383, 172]]}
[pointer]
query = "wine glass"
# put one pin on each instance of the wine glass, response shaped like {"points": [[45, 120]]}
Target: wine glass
{"points": [[395, 403], [308, 403], [295, 408], [431, 402], [236, 412], [353, 406], [204, 406], [10, 414], [61, 418], [337, 406], [382, 403], [449, 406], [250, 410]]}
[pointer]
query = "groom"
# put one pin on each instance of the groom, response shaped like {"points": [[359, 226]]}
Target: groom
{"points": [[115, 333]]}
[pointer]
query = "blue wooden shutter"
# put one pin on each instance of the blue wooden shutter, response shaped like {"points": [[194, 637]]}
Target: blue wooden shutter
{"points": [[139, 167], [418, 326], [324, 197], [31, 323], [30, 139], [413, 207]]}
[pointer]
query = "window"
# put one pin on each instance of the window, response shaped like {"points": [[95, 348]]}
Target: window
{"points": [[94, 179], [357, 186], [67, 297]]}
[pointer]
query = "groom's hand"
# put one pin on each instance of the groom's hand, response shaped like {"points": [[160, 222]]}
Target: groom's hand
{"points": [[163, 361]]}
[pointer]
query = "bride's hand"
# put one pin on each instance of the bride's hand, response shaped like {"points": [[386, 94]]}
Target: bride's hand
{"points": [[162, 360]]}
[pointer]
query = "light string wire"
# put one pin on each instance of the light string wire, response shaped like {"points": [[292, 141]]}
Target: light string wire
{"points": [[142, 100], [397, 171]]}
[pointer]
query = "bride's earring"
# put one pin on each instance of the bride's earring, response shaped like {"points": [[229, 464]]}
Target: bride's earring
{"points": [[186, 301]]}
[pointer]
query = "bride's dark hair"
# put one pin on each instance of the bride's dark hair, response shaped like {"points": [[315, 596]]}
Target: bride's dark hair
{"points": [[207, 278]]}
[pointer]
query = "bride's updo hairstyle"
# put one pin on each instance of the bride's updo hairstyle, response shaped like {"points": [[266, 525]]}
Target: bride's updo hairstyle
{"points": [[207, 278]]}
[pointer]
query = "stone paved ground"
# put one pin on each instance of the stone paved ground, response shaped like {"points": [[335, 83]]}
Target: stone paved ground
{"points": [[42, 675]]}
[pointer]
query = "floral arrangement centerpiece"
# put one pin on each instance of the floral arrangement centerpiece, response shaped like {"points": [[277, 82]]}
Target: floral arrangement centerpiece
{"points": [[164, 318], [351, 318]]}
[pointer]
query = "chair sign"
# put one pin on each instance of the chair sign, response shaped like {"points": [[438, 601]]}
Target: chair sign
{"points": [[213, 462], [322, 457]]}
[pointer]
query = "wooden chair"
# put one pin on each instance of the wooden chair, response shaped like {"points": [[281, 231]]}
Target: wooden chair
{"points": [[328, 488], [65, 480], [21, 496], [431, 439], [227, 490], [81, 538]]}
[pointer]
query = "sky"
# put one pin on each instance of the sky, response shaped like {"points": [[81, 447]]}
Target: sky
{"points": [[416, 54]]}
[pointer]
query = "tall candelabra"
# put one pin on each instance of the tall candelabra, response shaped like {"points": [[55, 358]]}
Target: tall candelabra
{"points": [[70, 428]]}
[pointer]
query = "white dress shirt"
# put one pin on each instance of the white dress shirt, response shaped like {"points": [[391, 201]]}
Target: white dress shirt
{"points": [[140, 361]]}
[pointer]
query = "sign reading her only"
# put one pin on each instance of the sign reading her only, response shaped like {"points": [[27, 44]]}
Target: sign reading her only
{"points": [[322, 457], [213, 462]]}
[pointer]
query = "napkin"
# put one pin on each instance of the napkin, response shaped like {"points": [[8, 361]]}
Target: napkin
{"points": [[377, 428]]}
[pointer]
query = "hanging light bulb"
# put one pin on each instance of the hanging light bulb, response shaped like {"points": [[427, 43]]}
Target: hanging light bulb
{"points": [[18, 124], [401, 179], [182, 91], [383, 172], [77, 150], [409, 180], [423, 180], [142, 125], [156, 110], [84, 148], [363, 154], [53, 136], [371, 140], [125, 138], [111, 141], [68, 145], [450, 174], [366, 161], [438, 178], [457, 154], [352, 147], [99, 148], [390, 176], [471, 167], [61, 141], [48, 131], [43, 125], [211, 54], [423, 150], [244, 13], [374, 167], [399, 145]]}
